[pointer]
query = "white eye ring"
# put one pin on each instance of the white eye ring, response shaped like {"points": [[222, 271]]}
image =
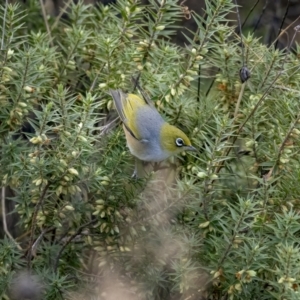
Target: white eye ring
{"points": [[179, 142]]}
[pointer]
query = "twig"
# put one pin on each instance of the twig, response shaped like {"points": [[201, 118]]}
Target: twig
{"points": [[35, 244], [250, 11], [287, 89], [67, 242], [37, 208], [282, 145], [46, 21], [47, 27], [240, 31], [199, 83], [106, 126], [3, 26], [94, 83], [282, 22], [285, 30], [4, 219], [258, 21], [239, 100], [62, 11], [244, 71]]}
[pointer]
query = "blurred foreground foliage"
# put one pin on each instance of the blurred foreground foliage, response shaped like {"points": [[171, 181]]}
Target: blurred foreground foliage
{"points": [[219, 224]]}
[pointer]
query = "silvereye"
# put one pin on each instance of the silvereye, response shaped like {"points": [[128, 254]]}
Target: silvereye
{"points": [[149, 137]]}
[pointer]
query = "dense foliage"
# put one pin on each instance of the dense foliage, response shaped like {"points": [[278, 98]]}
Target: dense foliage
{"points": [[222, 223]]}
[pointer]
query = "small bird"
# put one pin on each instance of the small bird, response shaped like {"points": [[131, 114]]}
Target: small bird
{"points": [[149, 137]]}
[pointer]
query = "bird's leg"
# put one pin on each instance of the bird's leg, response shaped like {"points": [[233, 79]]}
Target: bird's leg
{"points": [[138, 168], [156, 166], [134, 175]]}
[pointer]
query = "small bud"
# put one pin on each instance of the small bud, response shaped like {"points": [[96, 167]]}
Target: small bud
{"points": [[251, 273], [38, 182], [105, 178], [104, 182], [128, 34], [74, 153], [10, 53], [201, 174], [217, 274], [7, 69], [296, 131], [204, 225], [82, 138], [73, 171], [22, 104], [36, 140], [161, 27], [250, 143], [102, 85], [143, 43], [29, 89], [284, 160], [69, 207], [33, 160], [109, 105]]}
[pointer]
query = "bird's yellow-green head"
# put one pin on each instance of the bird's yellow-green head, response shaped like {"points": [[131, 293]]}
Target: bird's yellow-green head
{"points": [[174, 140]]}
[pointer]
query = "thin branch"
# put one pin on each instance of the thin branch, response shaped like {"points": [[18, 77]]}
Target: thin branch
{"points": [[199, 83], [3, 26], [68, 241], [285, 30], [4, 219], [237, 108], [47, 27], [282, 22], [62, 11], [46, 21], [281, 148], [94, 83], [240, 32], [33, 227], [259, 19], [250, 11], [37, 241]]}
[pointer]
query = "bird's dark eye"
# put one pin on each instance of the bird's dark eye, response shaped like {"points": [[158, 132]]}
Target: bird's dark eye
{"points": [[179, 142]]}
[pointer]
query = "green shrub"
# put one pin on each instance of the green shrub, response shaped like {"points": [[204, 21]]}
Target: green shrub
{"points": [[221, 223]]}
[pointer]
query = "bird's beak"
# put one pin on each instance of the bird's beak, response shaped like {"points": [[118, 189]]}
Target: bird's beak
{"points": [[190, 148]]}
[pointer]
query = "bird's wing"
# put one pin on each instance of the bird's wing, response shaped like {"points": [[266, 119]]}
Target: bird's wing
{"points": [[146, 98], [119, 99]]}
